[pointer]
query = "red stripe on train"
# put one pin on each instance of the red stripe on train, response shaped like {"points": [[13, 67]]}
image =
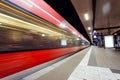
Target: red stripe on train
{"points": [[11, 63]]}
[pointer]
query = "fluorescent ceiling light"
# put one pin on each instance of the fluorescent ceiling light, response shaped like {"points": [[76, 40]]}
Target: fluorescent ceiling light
{"points": [[95, 31], [89, 28], [86, 16], [90, 33], [106, 8]]}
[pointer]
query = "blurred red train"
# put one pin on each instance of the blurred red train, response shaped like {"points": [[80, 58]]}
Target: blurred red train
{"points": [[29, 40]]}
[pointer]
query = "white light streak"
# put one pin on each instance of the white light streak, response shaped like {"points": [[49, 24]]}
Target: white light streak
{"points": [[27, 3], [44, 11]]}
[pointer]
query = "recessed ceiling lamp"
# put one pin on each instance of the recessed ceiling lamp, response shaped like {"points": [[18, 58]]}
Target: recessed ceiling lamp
{"points": [[106, 8], [95, 31], [89, 28], [90, 33], [86, 16]]}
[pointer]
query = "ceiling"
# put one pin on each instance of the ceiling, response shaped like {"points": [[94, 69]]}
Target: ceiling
{"points": [[104, 15], [83, 7], [107, 15]]}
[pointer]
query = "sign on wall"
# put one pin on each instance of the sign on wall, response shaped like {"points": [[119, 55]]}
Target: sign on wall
{"points": [[109, 41]]}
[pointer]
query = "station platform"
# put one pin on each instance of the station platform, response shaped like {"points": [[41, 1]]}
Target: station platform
{"points": [[92, 63]]}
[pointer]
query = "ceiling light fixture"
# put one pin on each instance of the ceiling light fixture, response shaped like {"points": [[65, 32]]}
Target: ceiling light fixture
{"points": [[106, 8], [95, 31], [89, 28], [90, 33], [86, 16]]}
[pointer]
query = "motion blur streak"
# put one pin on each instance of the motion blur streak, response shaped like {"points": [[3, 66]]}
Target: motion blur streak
{"points": [[19, 61]]}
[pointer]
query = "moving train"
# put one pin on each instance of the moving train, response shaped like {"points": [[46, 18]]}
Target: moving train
{"points": [[33, 36]]}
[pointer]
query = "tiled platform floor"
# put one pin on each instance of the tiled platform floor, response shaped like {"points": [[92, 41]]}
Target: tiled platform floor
{"points": [[85, 72], [109, 58]]}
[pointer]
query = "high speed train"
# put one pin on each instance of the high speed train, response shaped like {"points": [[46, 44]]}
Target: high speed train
{"points": [[33, 36]]}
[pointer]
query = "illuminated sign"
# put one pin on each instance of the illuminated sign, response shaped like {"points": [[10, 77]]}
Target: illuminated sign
{"points": [[109, 41]]}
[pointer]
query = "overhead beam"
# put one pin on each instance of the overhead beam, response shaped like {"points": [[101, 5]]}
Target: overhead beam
{"points": [[107, 28], [94, 10], [116, 32]]}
